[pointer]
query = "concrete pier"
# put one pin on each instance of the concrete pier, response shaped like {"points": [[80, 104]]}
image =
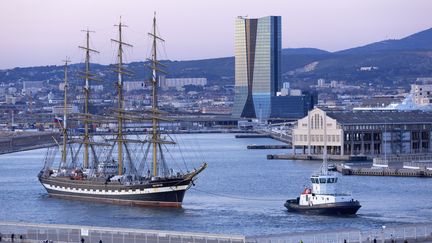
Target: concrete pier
{"points": [[11, 142], [253, 135], [316, 157], [272, 146], [377, 171]]}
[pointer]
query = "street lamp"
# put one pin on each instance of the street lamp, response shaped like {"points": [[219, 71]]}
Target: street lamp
{"points": [[383, 235]]}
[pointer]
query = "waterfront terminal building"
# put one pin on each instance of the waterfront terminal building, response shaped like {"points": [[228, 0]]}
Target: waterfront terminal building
{"points": [[364, 133]]}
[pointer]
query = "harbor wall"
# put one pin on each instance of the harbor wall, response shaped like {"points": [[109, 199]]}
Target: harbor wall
{"points": [[384, 171], [317, 157], [14, 142], [11, 142]]}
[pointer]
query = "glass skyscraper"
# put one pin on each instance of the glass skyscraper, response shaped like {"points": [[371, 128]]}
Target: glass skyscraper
{"points": [[257, 65]]}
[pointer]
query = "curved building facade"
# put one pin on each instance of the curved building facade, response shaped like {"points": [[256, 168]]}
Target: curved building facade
{"points": [[257, 65]]}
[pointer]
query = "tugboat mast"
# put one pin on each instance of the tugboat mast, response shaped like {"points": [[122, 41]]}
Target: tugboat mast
{"points": [[120, 71], [324, 169], [64, 131], [87, 77]]}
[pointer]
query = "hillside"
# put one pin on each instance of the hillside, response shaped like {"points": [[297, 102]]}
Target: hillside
{"points": [[393, 61], [417, 42]]}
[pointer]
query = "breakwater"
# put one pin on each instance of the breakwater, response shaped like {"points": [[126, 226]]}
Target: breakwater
{"points": [[383, 171], [252, 135], [11, 142], [266, 134], [317, 157], [271, 146]]}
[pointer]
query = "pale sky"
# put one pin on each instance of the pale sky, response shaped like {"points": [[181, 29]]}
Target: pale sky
{"points": [[43, 32]]}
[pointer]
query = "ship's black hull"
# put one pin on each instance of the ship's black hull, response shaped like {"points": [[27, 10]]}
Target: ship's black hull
{"points": [[163, 193], [341, 208]]}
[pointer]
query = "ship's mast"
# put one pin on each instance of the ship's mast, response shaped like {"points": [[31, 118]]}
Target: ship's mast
{"points": [[155, 134], [65, 135], [87, 77], [120, 71]]}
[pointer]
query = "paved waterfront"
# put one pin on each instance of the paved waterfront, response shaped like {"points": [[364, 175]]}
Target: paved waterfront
{"points": [[29, 232]]}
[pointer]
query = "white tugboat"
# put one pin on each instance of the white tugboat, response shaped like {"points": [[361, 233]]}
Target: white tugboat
{"points": [[323, 198]]}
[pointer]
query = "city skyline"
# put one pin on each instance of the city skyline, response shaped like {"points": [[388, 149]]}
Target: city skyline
{"points": [[39, 33]]}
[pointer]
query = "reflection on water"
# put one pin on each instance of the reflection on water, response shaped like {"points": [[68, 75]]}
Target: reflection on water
{"points": [[241, 192]]}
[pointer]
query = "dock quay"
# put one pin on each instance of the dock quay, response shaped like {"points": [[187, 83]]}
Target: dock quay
{"points": [[272, 146], [36, 233], [11, 142], [267, 134], [317, 157], [407, 161], [253, 135], [384, 171]]}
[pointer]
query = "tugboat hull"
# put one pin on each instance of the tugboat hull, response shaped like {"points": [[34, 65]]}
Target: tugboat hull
{"points": [[340, 208]]}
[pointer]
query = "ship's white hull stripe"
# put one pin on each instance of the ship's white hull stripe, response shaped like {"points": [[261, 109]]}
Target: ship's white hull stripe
{"points": [[116, 192]]}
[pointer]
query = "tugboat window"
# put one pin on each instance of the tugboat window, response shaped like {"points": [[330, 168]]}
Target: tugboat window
{"points": [[322, 180]]}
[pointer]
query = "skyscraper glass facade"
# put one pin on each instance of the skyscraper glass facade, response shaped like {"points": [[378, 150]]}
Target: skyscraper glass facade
{"points": [[257, 65]]}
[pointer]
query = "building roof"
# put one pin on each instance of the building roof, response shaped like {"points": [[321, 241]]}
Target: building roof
{"points": [[381, 117]]}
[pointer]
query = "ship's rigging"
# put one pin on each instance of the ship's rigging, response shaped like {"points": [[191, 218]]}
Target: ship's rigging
{"points": [[117, 161]]}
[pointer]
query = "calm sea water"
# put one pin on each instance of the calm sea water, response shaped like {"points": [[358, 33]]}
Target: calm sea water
{"points": [[241, 192]]}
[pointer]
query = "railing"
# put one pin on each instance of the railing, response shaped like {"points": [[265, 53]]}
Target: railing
{"points": [[418, 165], [403, 158], [32, 233], [408, 233]]}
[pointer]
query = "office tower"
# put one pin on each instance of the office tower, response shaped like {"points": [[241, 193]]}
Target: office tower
{"points": [[257, 65]]}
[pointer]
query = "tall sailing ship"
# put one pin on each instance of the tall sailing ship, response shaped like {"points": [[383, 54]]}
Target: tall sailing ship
{"points": [[109, 170]]}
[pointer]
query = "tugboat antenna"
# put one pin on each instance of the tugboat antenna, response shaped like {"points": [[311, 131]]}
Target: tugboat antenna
{"points": [[324, 168]]}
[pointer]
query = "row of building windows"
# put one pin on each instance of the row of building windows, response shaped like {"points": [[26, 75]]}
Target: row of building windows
{"points": [[384, 127], [317, 123], [317, 138]]}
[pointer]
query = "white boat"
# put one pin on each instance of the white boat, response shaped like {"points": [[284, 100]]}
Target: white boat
{"points": [[323, 197]]}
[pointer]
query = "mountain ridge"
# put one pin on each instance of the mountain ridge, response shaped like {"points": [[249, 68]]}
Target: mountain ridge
{"points": [[407, 57]]}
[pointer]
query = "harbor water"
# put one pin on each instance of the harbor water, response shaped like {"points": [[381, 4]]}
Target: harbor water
{"points": [[241, 192]]}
